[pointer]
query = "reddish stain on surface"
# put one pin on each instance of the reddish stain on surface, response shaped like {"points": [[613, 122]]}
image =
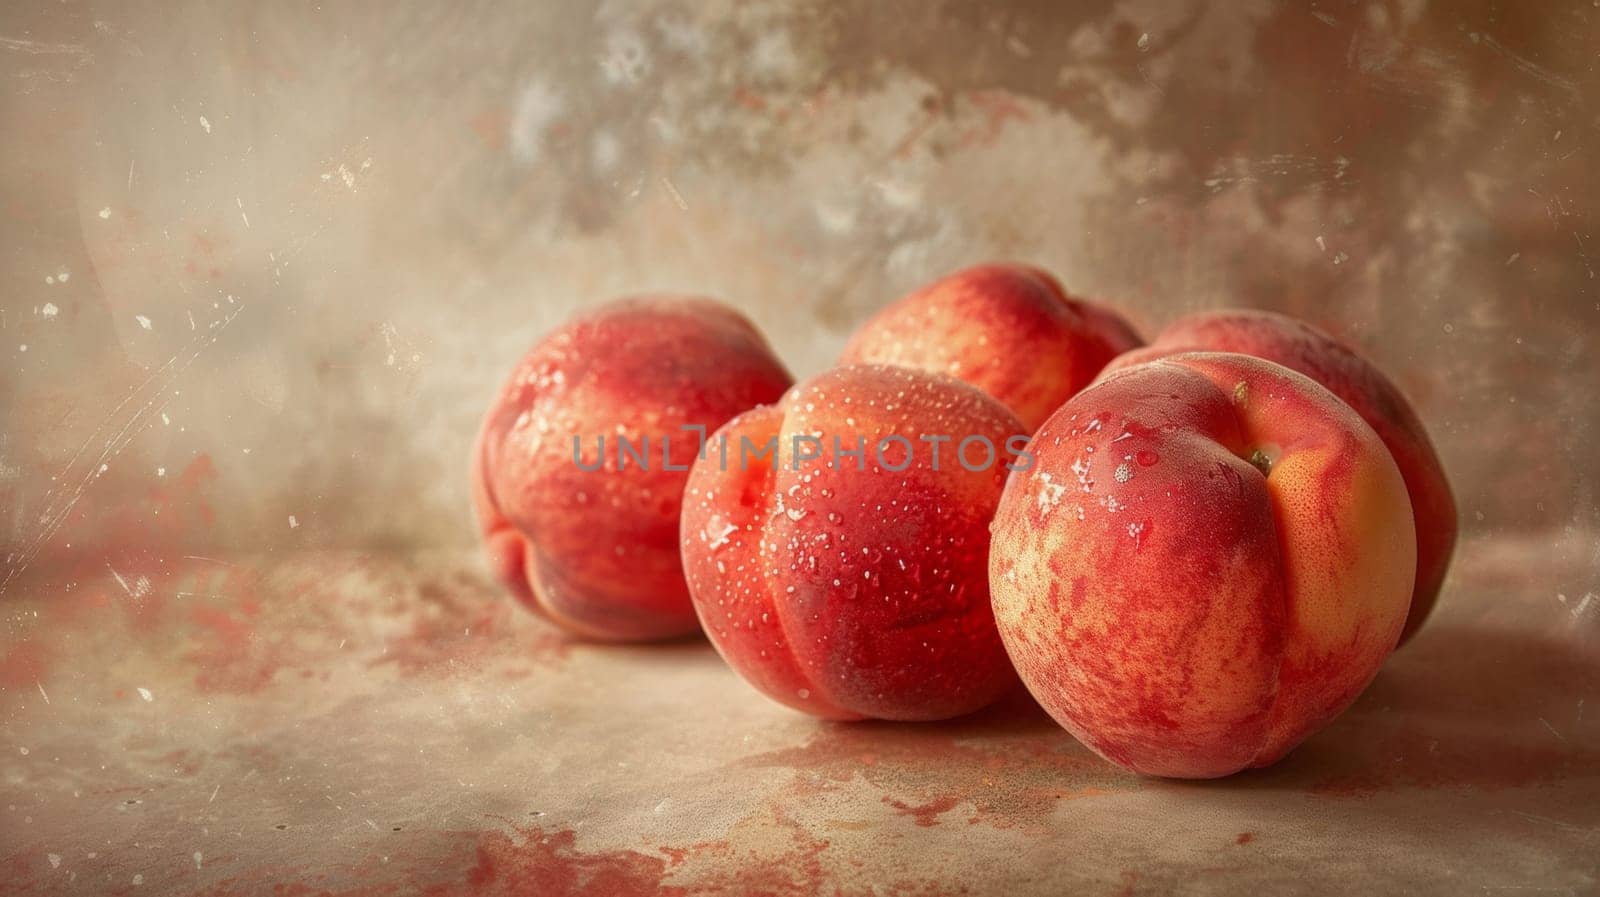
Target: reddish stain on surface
{"points": [[23, 666], [232, 655], [229, 658], [797, 870], [481, 864], [1244, 838], [551, 864], [997, 107], [926, 814], [676, 855], [525, 861], [186, 495], [491, 127], [122, 554], [749, 99]]}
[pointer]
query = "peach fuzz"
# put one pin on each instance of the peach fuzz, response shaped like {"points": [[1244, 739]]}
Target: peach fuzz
{"points": [[844, 588], [1303, 348], [596, 551], [1008, 329], [1208, 562]]}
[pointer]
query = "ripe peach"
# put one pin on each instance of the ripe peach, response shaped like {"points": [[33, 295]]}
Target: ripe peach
{"points": [[1301, 347], [579, 467], [851, 585], [1010, 330], [1208, 562]]}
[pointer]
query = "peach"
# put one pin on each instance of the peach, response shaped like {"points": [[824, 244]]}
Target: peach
{"points": [[851, 584], [1208, 562], [1010, 330], [1301, 347], [580, 464]]}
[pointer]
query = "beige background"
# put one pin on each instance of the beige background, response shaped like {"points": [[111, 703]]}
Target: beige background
{"points": [[263, 264], [394, 205]]}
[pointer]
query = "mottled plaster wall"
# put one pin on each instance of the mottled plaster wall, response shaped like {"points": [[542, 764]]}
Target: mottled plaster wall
{"points": [[266, 262]]}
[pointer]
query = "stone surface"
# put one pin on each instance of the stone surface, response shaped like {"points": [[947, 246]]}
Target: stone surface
{"points": [[361, 724]]}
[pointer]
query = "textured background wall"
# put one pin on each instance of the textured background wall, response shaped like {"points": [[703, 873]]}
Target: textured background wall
{"points": [[269, 261]]}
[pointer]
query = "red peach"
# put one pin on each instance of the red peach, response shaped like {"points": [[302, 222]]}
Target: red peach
{"points": [[837, 584], [1303, 348], [596, 550], [1010, 330], [1207, 564]]}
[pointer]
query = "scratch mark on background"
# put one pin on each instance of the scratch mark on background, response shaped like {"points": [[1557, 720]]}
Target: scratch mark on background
{"points": [[1552, 729], [35, 48], [1529, 67], [150, 398], [677, 197], [1534, 817]]}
